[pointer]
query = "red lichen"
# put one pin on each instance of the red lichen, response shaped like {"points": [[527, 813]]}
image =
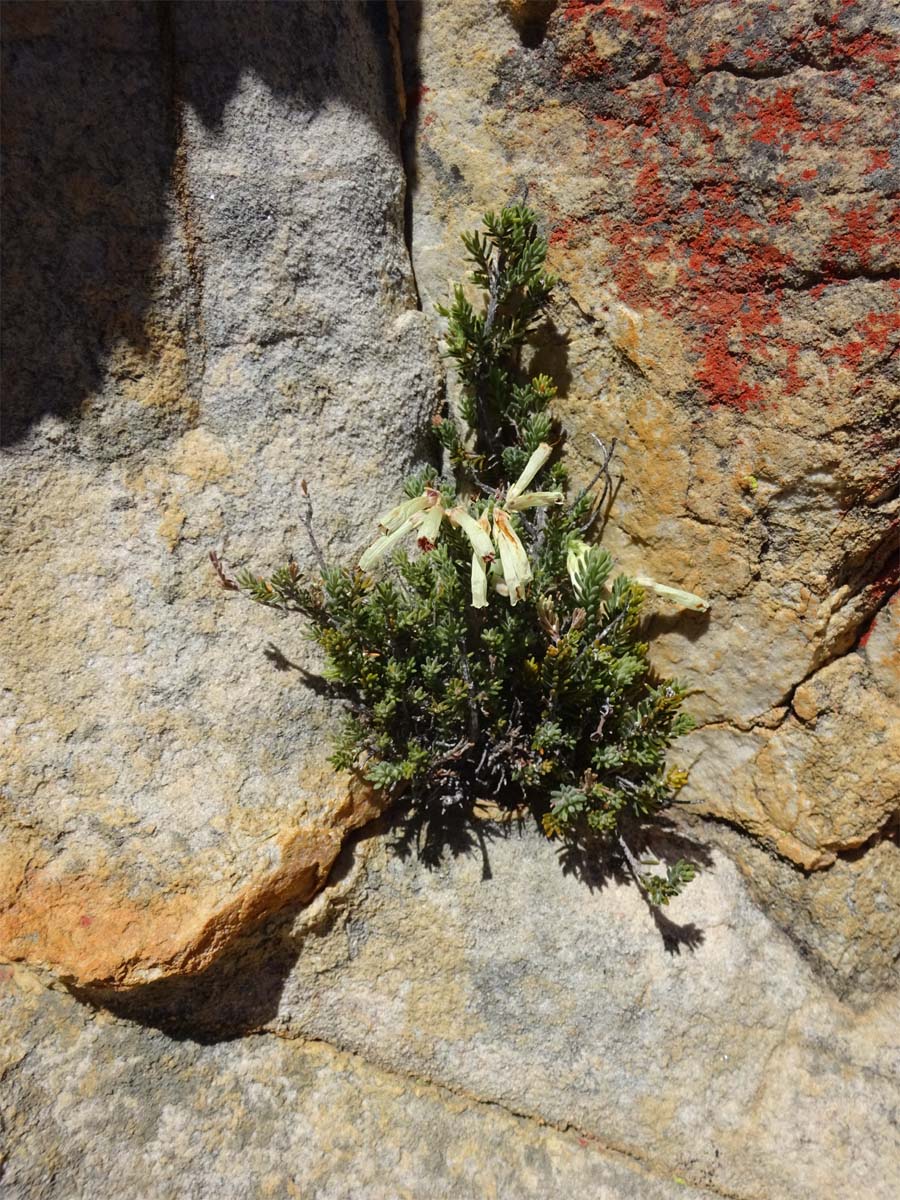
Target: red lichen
{"points": [[878, 160], [874, 335], [694, 241], [775, 118]]}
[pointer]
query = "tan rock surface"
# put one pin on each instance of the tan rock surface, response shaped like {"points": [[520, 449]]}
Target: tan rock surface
{"points": [[702, 1044], [163, 784], [718, 190]]}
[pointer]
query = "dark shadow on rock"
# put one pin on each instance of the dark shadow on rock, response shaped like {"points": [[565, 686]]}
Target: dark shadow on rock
{"points": [[598, 863], [410, 14], [688, 622], [96, 180], [432, 833], [551, 356]]}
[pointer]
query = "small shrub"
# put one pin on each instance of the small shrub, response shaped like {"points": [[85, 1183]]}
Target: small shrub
{"points": [[483, 647]]}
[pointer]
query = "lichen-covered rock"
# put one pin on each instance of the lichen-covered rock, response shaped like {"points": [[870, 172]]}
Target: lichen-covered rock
{"points": [[209, 299], [719, 193]]}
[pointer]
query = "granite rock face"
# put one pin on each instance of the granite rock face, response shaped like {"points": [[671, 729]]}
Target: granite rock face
{"points": [[719, 187], [701, 1044], [263, 1117], [209, 298]]}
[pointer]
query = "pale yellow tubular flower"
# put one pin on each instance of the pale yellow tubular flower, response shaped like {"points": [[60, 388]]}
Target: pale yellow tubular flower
{"points": [[576, 558], [479, 570], [474, 531], [676, 595], [496, 580], [428, 525], [479, 582], [385, 543], [532, 467], [389, 521], [514, 560], [533, 500]]}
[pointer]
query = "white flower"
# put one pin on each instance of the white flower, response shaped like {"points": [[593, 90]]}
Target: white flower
{"points": [[474, 530], [533, 500], [424, 513], [532, 467], [513, 559], [428, 524], [479, 582], [676, 595], [576, 561], [395, 517], [386, 542]]}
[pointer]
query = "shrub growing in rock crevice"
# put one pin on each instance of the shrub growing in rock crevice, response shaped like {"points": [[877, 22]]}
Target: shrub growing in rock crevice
{"points": [[482, 646]]}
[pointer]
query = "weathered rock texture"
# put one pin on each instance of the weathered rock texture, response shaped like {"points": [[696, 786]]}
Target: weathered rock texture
{"points": [[208, 298], [720, 197], [263, 1117], [701, 1046]]}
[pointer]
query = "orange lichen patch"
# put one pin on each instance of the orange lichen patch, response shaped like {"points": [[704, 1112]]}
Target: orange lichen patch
{"points": [[88, 929], [872, 335], [710, 178]]}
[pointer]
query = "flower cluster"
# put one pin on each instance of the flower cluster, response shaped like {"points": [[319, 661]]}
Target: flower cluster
{"points": [[490, 533]]}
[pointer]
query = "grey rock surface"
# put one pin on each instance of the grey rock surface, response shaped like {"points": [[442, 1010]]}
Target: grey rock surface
{"points": [[95, 1106], [163, 782], [700, 1043]]}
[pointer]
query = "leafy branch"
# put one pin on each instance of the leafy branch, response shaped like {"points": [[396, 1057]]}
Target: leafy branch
{"points": [[482, 646]]}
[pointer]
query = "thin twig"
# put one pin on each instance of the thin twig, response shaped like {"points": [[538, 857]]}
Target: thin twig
{"points": [[617, 620], [470, 687], [604, 473], [218, 566], [633, 864], [307, 519]]}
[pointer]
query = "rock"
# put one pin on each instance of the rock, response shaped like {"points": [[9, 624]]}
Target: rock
{"points": [[826, 778], [208, 302], [262, 1117], [717, 189], [700, 1044], [845, 921], [211, 301]]}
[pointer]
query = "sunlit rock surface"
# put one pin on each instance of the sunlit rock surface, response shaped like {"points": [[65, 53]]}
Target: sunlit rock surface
{"points": [[718, 189], [702, 1044], [209, 299]]}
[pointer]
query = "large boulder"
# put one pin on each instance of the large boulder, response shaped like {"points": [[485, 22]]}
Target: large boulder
{"points": [[718, 190], [208, 298], [699, 1043]]}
